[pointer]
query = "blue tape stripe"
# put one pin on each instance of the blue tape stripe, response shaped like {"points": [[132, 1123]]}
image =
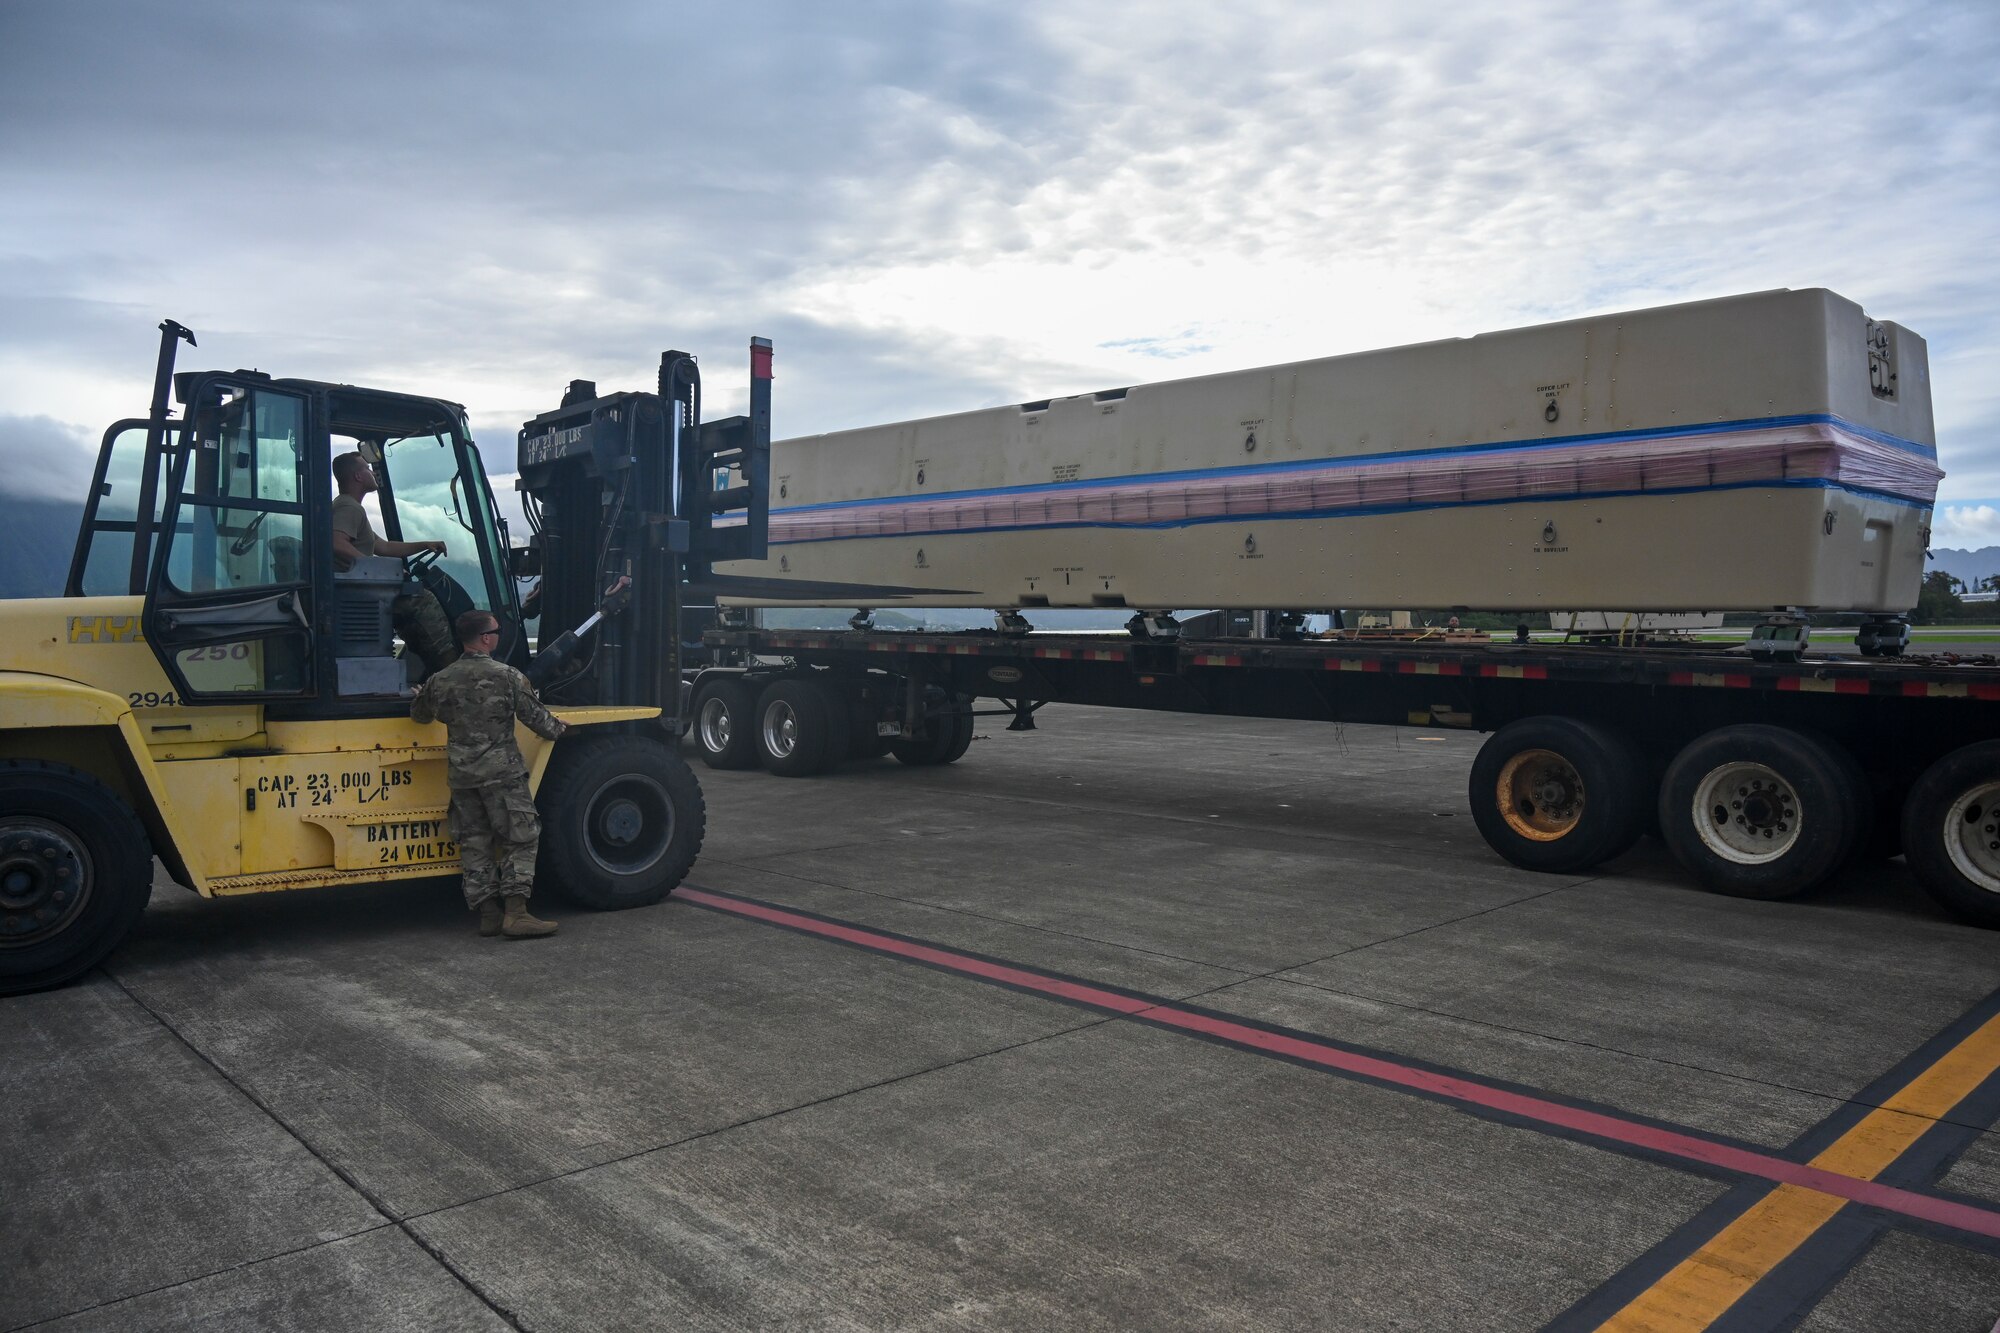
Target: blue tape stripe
{"points": [[1366, 511], [1355, 460]]}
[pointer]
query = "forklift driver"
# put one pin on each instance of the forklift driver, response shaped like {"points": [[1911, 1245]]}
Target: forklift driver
{"points": [[418, 616]]}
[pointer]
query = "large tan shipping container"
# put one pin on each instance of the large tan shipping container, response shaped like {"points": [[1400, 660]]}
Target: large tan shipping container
{"points": [[1773, 450]]}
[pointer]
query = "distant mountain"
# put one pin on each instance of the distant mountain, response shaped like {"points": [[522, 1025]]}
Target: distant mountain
{"points": [[1970, 566], [36, 539]]}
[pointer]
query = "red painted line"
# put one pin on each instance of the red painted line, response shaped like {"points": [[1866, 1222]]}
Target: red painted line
{"points": [[1917, 689], [1847, 685], [1534, 673], [1328, 1055], [1985, 691]]}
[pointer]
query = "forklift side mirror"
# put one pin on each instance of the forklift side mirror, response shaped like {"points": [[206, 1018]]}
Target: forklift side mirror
{"points": [[370, 451], [524, 562]]}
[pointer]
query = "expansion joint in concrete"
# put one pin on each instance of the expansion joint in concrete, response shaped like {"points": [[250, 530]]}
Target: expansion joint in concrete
{"points": [[745, 1123], [380, 1206]]}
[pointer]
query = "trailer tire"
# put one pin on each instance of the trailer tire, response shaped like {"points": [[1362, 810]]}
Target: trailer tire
{"points": [[725, 722], [961, 735], [76, 870], [622, 821], [1757, 811], [863, 711], [1857, 793], [1951, 832], [796, 721], [945, 741], [1558, 795]]}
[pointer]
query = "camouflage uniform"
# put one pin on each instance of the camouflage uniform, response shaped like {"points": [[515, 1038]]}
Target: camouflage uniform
{"points": [[492, 813], [418, 616]]}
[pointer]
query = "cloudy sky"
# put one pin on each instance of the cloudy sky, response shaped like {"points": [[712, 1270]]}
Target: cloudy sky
{"points": [[938, 206]]}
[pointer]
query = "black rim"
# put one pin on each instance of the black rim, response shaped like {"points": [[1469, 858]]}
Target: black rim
{"points": [[45, 881], [628, 825]]}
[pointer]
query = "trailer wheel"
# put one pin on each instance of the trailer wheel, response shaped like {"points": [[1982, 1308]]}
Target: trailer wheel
{"points": [[1756, 811], [622, 820], [725, 728], [864, 710], [945, 742], [954, 749], [75, 873], [1857, 794], [1555, 794], [1875, 805], [796, 719], [1951, 832]]}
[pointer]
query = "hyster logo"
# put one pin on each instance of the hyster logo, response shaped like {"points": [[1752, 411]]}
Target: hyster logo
{"points": [[104, 629]]}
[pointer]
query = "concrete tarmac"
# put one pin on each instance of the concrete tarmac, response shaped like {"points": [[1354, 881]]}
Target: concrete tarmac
{"points": [[343, 1109]]}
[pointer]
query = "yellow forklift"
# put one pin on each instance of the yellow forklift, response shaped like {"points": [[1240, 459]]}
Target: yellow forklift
{"points": [[213, 691]]}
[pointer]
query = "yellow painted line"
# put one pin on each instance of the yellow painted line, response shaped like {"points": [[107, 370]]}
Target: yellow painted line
{"points": [[1703, 1286]]}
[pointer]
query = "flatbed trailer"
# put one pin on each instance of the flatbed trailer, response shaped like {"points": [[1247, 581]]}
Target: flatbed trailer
{"points": [[1762, 776]]}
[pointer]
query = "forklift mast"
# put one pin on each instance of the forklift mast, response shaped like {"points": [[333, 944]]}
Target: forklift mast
{"points": [[637, 486]]}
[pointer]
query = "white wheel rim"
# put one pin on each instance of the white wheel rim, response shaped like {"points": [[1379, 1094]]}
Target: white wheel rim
{"points": [[1972, 835], [1747, 814], [781, 729], [715, 726]]}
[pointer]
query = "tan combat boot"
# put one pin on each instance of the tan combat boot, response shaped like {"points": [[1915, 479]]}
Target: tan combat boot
{"points": [[490, 913], [516, 924]]}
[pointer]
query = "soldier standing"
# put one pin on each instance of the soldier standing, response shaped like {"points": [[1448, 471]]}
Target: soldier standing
{"points": [[493, 814]]}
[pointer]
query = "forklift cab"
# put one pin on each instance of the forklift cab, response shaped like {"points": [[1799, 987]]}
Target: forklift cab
{"points": [[224, 525]]}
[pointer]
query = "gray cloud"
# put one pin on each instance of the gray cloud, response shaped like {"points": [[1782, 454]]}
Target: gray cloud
{"points": [[46, 459]]}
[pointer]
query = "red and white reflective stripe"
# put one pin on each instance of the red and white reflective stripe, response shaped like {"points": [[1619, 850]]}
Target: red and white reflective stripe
{"points": [[1505, 671], [1719, 679], [1824, 684]]}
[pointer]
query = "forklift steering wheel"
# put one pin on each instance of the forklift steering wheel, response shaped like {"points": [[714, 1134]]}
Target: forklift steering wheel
{"points": [[418, 563]]}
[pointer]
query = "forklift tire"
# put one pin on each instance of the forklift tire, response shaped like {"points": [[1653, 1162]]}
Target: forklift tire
{"points": [[1557, 795], [796, 722], [1757, 811], [76, 871], [1951, 832], [946, 742], [622, 820], [725, 726]]}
